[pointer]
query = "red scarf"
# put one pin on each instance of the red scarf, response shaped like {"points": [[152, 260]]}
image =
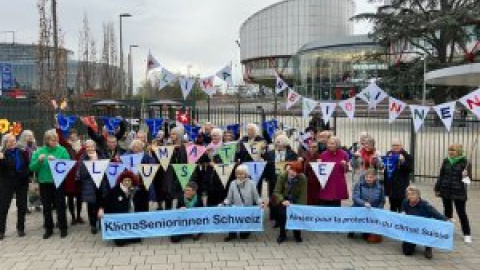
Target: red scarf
{"points": [[367, 157]]}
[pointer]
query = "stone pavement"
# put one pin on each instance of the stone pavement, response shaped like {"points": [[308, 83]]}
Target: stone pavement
{"points": [[82, 251]]}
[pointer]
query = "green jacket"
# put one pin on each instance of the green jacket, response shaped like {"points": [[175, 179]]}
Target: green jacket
{"points": [[44, 175], [299, 190]]}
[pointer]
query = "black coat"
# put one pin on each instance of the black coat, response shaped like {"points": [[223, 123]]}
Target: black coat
{"points": [[90, 193], [172, 185], [270, 173], [397, 185], [449, 183], [208, 181], [9, 177], [116, 201]]}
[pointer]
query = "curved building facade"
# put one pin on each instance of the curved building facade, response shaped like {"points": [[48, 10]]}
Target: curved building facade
{"points": [[270, 37]]}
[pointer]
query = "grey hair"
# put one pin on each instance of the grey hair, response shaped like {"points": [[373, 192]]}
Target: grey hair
{"points": [[283, 139], [49, 134], [337, 141], [217, 131], [3, 146], [136, 142], [242, 168], [254, 127], [90, 141], [179, 132], [370, 140], [414, 189], [22, 141]]}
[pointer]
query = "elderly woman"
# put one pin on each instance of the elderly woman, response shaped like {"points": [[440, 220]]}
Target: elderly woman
{"points": [[282, 152], [397, 175], [90, 193], [416, 206], [48, 192], [211, 183], [27, 143], [14, 175], [452, 189], [172, 187], [252, 136], [291, 188], [367, 156], [312, 182], [335, 190], [322, 137]]}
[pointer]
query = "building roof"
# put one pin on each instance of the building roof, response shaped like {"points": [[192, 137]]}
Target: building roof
{"points": [[342, 41], [464, 75]]}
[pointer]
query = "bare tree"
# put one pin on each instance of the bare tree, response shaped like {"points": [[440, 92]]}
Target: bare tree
{"points": [[109, 70], [87, 65]]}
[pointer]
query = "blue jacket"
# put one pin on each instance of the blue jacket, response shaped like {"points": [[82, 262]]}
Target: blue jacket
{"points": [[365, 193], [422, 209]]}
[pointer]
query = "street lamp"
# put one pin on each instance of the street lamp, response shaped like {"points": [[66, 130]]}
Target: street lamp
{"points": [[130, 70], [122, 73]]}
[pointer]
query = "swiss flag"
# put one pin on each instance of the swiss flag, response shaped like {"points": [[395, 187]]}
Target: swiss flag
{"points": [[183, 117]]}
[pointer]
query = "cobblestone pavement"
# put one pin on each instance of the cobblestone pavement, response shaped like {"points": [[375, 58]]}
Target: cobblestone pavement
{"points": [[82, 251]]}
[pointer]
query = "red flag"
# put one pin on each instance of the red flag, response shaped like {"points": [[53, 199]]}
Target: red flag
{"points": [[183, 117], [89, 121]]}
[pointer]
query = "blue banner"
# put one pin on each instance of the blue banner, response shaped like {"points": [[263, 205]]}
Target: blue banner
{"points": [[413, 229], [6, 76], [178, 222]]}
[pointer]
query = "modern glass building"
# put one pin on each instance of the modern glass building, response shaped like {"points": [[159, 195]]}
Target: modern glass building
{"points": [[270, 37]]}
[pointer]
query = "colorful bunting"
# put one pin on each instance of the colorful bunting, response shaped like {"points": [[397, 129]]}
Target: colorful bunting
{"points": [[154, 125], [60, 168], [322, 171], [446, 112], [292, 98], [111, 124], [348, 106], [166, 78], [148, 172], [395, 108], [472, 102], [327, 111], [254, 149], [207, 85], [192, 132], [419, 114], [226, 75], [96, 169], [270, 127], [184, 173], [224, 171], [194, 152], [308, 105], [280, 85], [255, 170], [164, 155], [65, 123], [131, 161], [186, 84], [227, 152], [113, 171]]}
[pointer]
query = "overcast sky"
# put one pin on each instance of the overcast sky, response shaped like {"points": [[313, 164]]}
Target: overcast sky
{"points": [[200, 33]]}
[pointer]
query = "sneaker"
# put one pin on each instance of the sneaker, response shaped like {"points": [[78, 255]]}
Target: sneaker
{"points": [[21, 233], [468, 239], [230, 237], [428, 253], [47, 235]]}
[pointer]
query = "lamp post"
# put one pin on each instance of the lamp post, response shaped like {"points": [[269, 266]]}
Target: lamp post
{"points": [[122, 71], [424, 93], [130, 70]]}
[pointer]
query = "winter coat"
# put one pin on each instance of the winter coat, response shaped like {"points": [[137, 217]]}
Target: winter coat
{"points": [[269, 172], [336, 187], [181, 202], [422, 209], [172, 185], [72, 187], [366, 193], [90, 192], [449, 183], [41, 167], [396, 186], [313, 185], [296, 194], [116, 202], [9, 176], [243, 194]]}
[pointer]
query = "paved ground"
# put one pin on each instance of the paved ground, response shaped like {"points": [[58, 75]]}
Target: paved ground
{"points": [[81, 250]]}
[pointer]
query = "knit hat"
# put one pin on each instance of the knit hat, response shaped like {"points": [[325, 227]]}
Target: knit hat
{"points": [[128, 174], [296, 167]]}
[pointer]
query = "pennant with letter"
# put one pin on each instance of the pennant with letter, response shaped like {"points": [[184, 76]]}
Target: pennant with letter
{"points": [[472, 102], [65, 123], [148, 172], [194, 152], [270, 126], [164, 155], [395, 108], [390, 163], [419, 114], [377, 95], [226, 75], [166, 78], [187, 85], [292, 98], [255, 170], [192, 132], [280, 85], [111, 124], [308, 105], [154, 125], [113, 171], [152, 63], [227, 152], [348, 106], [60, 168], [207, 85], [322, 171], [254, 149], [96, 169], [184, 173], [327, 111], [131, 161], [446, 112], [224, 171]]}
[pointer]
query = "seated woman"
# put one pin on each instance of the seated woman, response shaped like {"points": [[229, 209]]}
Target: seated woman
{"points": [[368, 192], [188, 200], [416, 206], [123, 198]]}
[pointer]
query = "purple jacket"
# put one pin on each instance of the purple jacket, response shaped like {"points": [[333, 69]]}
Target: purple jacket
{"points": [[336, 188]]}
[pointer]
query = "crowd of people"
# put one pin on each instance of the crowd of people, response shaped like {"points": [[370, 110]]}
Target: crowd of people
{"points": [[24, 171]]}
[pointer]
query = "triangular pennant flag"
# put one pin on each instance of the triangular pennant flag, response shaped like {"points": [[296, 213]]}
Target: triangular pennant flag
{"points": [[60, 168], [327, 111], [419, 114], [186, 84], [472, 102], [255, 170], [65, 123], [280, 167], [308, 105], [113, 171], [154, 125], [365, 95], [147, 172], [111, 124], [192, 132], [194, 152], [227, 152], [348, 106], [280, 85], [207, 85], [184, 173], [96, 169], [446, 112], [226, 75], [377, 95], [131, 161], [292, 98], [395, 108], [164, 155], [254, 149], [166, 78], [390, 163], [270, 127], [322, 171], [224, 171], [152, 63]]}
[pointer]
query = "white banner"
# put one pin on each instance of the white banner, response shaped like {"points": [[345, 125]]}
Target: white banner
{"points": [[472, 102]]}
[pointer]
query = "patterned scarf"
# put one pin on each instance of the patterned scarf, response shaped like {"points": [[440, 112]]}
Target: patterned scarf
{"points": [[367, 157]]}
